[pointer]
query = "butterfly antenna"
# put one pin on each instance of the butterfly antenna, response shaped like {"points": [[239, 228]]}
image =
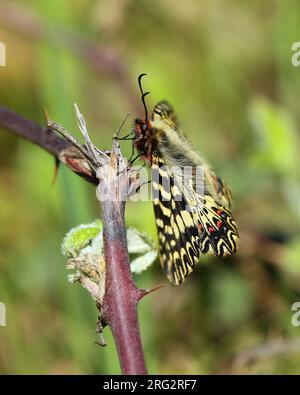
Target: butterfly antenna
{"points": [[143, 95]]}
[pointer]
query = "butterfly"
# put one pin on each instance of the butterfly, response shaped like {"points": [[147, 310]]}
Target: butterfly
{"points": [[190, 220]]}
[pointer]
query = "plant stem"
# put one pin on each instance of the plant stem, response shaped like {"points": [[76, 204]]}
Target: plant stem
{"points": [[119, 308], [121, 294]]}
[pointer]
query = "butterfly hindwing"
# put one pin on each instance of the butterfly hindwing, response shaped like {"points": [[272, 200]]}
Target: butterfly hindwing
{"points": [[218, 230]]}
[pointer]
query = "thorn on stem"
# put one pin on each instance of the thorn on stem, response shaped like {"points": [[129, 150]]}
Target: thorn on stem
{"points": [[144, 292], [46, 117], [56, 168]]}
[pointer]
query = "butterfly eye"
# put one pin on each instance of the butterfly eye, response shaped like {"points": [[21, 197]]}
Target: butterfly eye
{"points": [[144, 127]]}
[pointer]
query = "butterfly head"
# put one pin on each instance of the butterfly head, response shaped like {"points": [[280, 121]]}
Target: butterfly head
{"points": [[143, 129], [143, 138]]}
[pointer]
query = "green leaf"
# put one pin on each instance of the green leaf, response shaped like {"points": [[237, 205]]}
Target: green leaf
{"points": [[79, 237], [86, 241]]}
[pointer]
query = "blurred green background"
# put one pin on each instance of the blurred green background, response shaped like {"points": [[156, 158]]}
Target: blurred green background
{"points": [[226, 67]]}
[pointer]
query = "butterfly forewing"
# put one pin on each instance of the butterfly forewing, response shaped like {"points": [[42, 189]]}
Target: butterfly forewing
{"points": [[177, 231]]}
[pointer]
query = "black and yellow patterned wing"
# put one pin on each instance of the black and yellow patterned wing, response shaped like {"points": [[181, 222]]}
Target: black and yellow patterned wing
{"points": [[189, 223], [218, 232], [185, 228], [179, 242]]}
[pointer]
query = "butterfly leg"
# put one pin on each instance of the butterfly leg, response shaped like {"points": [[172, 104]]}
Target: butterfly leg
{"points": [[127, 137]]}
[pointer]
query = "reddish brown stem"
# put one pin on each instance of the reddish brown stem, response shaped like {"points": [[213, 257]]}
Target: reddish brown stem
{"points": [[48, 140], [119, 307], [121, 294], [31, 131]]}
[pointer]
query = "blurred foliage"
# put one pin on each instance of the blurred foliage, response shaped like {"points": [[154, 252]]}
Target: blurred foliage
{"points": [[226, 67]]}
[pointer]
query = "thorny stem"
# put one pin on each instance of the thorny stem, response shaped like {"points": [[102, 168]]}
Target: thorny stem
{"points": [[45, 138], [119, 308]]}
